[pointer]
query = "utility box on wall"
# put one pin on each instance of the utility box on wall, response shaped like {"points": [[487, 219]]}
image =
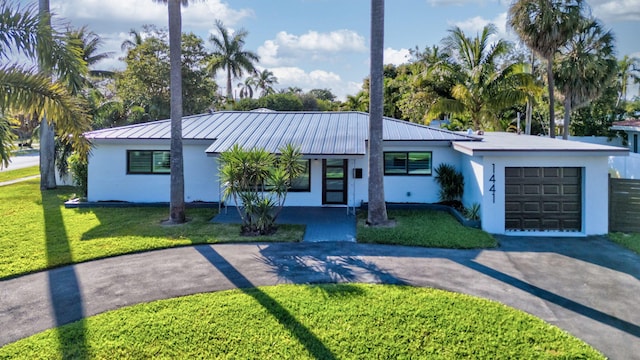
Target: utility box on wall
{"points": [[357, 173]]}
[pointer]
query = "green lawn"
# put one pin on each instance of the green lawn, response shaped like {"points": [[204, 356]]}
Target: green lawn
{"points": [[37, 232], [19, 173], [427, 228], [630, 241], [346, 321]]}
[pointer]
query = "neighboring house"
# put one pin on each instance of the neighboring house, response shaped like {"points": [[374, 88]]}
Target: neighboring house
{"points": [[524, 184], [632, 128], [627, 167]]}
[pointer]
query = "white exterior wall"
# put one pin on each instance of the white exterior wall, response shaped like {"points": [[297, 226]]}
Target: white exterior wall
{"points": [[595, 190], [109, 181], [418, 189], [472, 171]]}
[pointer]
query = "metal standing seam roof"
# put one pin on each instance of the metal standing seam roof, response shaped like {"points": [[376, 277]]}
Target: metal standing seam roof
{"points": [[327, 133]]}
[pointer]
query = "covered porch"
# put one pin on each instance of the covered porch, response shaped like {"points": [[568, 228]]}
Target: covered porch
{"points": [[322, 223]]}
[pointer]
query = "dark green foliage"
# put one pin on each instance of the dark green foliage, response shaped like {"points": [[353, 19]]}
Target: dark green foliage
{"points": [[451, 182], [257, 182], [323, 94], [472, 212], [145, 81], [597, 118], [281, 102], [79, 169]]}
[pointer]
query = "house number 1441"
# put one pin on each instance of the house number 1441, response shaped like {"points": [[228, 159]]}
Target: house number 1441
{"points": [[492, 180]]}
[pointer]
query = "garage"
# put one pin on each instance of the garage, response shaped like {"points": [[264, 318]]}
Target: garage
{"points": [[543, 199]]}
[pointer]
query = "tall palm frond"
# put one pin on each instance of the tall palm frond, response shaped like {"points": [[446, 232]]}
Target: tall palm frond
{"points": [[6, 142], [31, 92], [544, 26], [136, 39], [228, 53], [585, 63]]}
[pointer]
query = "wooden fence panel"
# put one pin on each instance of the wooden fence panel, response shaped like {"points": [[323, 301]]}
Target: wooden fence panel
{"points": [[624, 205]]}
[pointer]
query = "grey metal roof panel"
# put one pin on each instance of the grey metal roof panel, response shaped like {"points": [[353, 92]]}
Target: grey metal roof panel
{"points": [[315, 132]]}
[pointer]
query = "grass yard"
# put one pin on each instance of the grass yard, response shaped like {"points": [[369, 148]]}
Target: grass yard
{"points": [[345, 321], [37, 232], [428, 228], [19, 173], [630, 241]]}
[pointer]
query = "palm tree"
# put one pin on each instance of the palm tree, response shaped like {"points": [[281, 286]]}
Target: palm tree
{"points": [[377, 212], [176, 206], [482, 89], [136, 39], [90, 44], [544, 26], [628, 71], [228, 53], [28, 33], [264, 80], [357, 102], [246, 87], [585, 64]]}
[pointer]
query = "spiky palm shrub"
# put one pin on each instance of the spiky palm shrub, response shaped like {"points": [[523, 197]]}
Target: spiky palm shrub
{"points": [[258, 183], [451, 182]]}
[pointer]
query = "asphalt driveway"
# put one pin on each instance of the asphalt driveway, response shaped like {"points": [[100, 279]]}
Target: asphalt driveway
{"points": [[588, 286]]}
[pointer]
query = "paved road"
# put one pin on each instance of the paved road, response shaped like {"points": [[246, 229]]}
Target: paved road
{"points": [[22, 161], [587, 286]]}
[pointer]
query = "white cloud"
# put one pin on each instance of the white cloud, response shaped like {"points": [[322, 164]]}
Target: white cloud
{"points": [[287, 49], [315, 79], [124, 14], [475, 25], [454, 2], [396, 57], [616, 10]]}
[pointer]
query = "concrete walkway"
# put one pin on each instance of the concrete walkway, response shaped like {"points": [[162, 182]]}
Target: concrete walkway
{"points": [[5, 183], [322, 223], [587, 286]]}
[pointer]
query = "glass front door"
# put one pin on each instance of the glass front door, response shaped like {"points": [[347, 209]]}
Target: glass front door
{"points": [[334, 181]]}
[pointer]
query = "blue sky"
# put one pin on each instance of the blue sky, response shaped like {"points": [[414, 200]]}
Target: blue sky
{"points": [[324, 43]]}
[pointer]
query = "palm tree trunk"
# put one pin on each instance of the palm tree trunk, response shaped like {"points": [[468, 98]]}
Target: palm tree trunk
{"points": [[529, 111], [567, 117], [377, 214], [47, 131], [550, 83], [176, 207], [229, 90]]}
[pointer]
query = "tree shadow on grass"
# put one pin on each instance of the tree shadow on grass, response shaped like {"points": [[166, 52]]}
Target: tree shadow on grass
{"points": [[343, 262], [64, 288], [310, 341]]}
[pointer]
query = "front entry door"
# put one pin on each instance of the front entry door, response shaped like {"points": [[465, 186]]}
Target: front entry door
{"points": [[334, 181]]}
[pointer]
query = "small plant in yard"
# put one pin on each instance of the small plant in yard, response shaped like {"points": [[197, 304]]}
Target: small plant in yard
{"points": [[79, 170], [472, 212], [451, 183], [258, 182]]}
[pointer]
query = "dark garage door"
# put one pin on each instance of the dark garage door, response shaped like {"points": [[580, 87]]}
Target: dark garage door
{"points": [[543, 198]]}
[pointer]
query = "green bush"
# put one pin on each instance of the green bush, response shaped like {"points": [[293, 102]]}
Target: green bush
{"points": [[79, 170], [451, 182]]}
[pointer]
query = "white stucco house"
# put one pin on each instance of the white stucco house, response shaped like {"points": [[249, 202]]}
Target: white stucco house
{"points": [[524, 184]]}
